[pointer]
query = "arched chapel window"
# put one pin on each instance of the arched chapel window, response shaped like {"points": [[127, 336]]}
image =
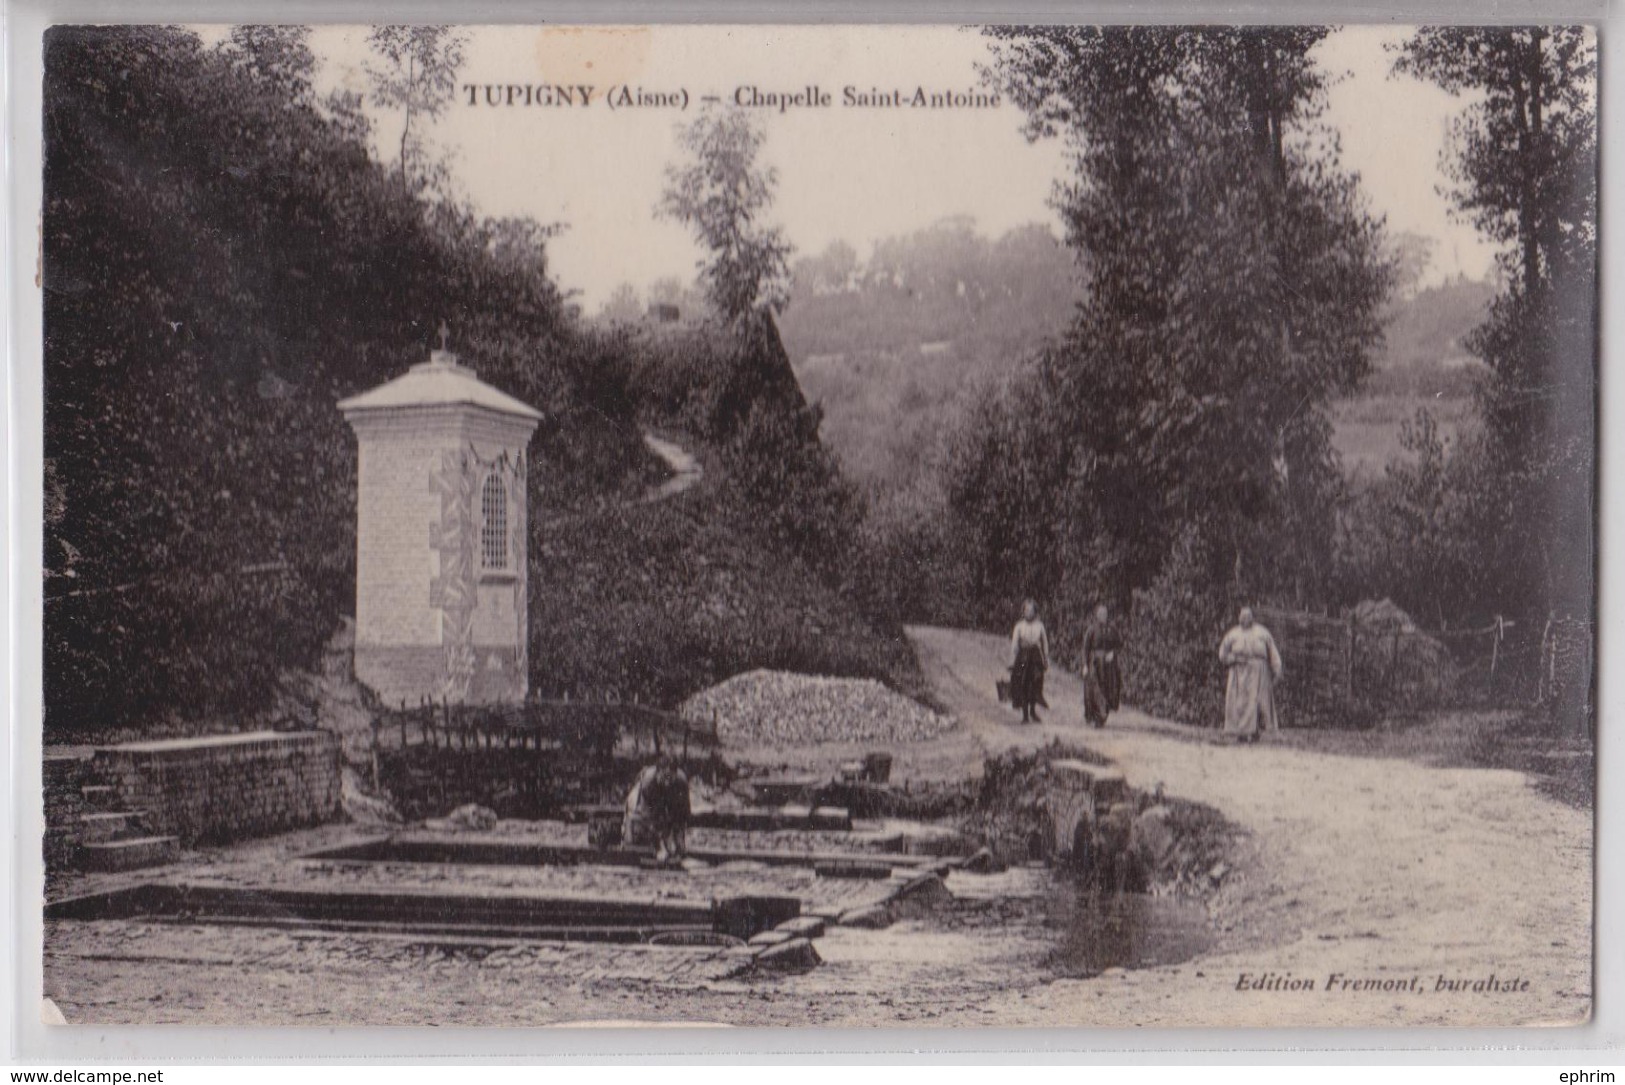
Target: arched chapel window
{"points": [[494, 523]]}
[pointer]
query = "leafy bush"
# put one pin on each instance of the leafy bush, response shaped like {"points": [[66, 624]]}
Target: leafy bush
{"points": [[658, 601], [1172, 662]]}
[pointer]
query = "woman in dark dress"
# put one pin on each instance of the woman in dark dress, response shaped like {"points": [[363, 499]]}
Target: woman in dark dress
{"points": [[1102, 675], [1029, 659]]}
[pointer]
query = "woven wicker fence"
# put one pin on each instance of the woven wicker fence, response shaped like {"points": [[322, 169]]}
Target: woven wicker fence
{"points": [[1349, 672]]}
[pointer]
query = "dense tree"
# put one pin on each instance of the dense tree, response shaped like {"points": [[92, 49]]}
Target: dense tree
{"points": [[1523, 158], [417, 75], [278, 55], [1523, 162], [722, 194], [756, 410], [1233, 287], [1411, 537], [223, 261]]}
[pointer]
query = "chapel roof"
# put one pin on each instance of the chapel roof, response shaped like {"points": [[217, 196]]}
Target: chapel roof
{"points": [[441, 381]]}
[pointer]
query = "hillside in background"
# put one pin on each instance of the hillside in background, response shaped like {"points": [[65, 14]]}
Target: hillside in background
{"points": [[892, 347], [1426, 351], [1424, 364]]}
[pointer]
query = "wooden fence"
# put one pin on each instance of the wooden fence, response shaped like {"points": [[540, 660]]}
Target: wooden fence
{"points": [[523, 760], [536, 725], [1344, 672], [1567, 685], [1317, 654]]}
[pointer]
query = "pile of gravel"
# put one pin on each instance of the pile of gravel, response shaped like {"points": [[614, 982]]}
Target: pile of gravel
{"points": [[776, 708]]}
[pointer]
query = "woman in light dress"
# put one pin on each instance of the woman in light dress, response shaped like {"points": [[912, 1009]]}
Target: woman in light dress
{"points": [[1029, 659], [1254, 665]]}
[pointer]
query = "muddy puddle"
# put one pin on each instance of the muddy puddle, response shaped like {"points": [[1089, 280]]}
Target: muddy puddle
{"points": [[1098, 930]]}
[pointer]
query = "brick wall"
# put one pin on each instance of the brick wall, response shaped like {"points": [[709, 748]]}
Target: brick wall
{"points": [[64, 776], [396, 559], [227, 787]]}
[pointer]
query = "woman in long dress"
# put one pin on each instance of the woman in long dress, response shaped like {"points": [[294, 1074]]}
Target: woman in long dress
{"points": [[1029, 659], [1254, 665], [1102, 676]]}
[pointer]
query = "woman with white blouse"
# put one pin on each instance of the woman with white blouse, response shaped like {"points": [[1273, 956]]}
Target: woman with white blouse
{"points": [[1029, 659]]}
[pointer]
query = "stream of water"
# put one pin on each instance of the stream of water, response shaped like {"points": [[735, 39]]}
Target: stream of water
{"points": [[1101, 929]]}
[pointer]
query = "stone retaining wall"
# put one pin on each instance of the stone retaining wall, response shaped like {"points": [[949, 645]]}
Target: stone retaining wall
{"points": [[65, 776], [1079, 796], [223, 788]]}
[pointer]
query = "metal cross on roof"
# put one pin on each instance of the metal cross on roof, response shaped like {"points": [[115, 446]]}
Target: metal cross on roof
{"points": [[445, 335]]}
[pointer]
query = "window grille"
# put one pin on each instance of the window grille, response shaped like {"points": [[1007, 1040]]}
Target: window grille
{"points": [[494, 529]]}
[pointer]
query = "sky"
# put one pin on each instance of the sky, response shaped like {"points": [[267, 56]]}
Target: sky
{"points": [[857, 174]]}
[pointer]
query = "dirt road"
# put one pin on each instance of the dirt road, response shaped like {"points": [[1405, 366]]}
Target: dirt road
{"points": [[1360, 868]]}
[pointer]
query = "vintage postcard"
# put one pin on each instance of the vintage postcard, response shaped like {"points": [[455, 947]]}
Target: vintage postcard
{"points": [[819, 526]]}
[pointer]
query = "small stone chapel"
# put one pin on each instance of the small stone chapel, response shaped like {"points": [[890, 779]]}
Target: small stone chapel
{"points": [[440, 594]]}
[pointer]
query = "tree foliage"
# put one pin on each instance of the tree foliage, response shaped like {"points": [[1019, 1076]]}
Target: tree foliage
{"points": [[417, 74], [1523, 155], [1523, 162], [731, 385], [277, 56], [222, 262], [722, 195], [753, 406], [1233, 286], [1415, 536]]}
